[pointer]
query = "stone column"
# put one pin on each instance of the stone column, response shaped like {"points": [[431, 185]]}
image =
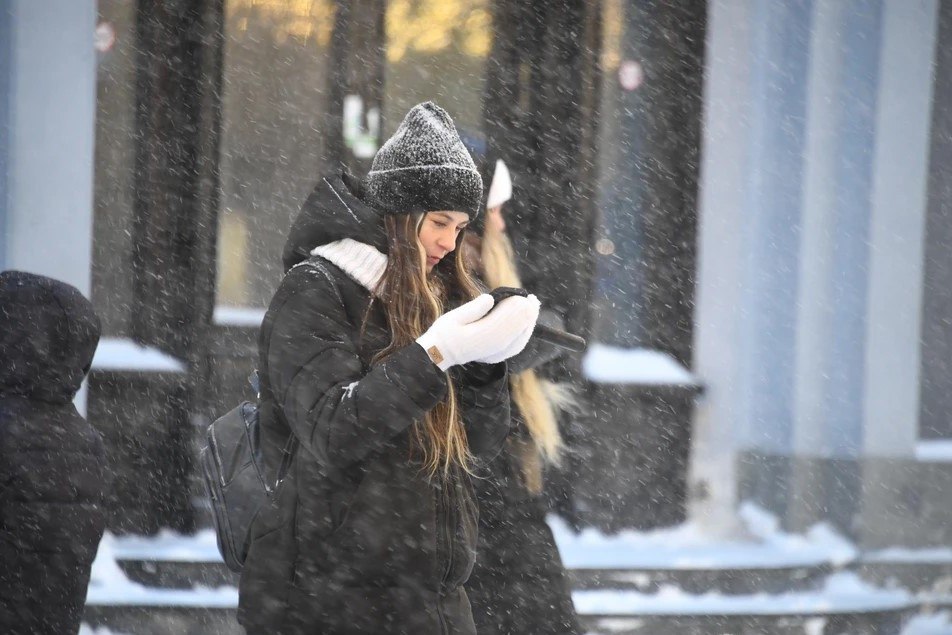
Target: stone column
{"points": [[828, 408], [749, 245], [890, 510], [718, 338], [50, 82]]}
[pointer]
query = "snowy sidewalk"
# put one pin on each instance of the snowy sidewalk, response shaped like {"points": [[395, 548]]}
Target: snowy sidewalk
{"points": [[641, 580]]}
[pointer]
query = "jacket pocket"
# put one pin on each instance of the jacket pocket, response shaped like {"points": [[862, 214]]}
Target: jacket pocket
{"points": [[387, 532]]}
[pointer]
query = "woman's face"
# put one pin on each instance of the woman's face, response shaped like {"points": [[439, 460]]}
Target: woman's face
{"points": [[438, 234]]}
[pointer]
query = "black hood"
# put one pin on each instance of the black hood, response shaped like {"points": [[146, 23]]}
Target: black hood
{"points": [[48, 335], [333, 211]]}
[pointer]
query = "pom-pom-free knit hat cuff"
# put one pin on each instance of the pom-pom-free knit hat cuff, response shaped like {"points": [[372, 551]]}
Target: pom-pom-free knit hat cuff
{"points": [[424, 167], [424, 189]]}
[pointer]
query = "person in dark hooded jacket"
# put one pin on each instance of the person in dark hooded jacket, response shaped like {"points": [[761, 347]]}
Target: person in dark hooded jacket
{"points": [[518, 585], [51, 460], [392, 400]]}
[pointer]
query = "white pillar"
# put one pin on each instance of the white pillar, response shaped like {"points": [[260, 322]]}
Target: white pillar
{"points": [[717, 332], [838, 193], [49, 155], [748, 246], [896, 239], [815, 312]]}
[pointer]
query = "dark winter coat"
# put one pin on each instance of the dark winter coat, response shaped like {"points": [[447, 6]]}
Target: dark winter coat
{"points": [[518, 585], [51, 460], [359, 541]]}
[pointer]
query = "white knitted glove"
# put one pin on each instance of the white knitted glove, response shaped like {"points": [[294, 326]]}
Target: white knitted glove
{"points": [[511, 324], [456, 337]]}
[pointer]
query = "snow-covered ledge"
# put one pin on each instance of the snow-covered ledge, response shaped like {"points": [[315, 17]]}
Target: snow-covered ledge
{"points": [[122, 354], [934, 451], [247, 316], [606, 364]]}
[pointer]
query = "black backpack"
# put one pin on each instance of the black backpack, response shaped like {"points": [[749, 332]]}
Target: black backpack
{"points": [[236, 478], [239, 480]]}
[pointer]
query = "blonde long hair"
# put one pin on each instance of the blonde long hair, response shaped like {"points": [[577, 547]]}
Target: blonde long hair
{"points": [[536, 399], [413, 301]]}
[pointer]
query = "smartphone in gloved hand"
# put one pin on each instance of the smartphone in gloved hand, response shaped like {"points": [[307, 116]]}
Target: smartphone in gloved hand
{"points": [[501, 293], [548, 334]]}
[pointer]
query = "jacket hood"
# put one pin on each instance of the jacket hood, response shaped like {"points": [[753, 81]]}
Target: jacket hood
{"points": [[48, 335], [333, 211]]}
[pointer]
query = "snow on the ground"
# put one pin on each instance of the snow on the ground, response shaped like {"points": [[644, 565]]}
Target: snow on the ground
{"points": [[114, 353], [842, 592], [238, 316], [86, 629], [168, 546], [935, 624], [108, 585], [686, 546], [926, 555], [611, 365], [938, 450]]}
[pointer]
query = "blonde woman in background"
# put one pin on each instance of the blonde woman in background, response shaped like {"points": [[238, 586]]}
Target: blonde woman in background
{"points": [[518, 585]]}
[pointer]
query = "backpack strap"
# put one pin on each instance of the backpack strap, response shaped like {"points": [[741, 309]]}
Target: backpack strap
{"points": [[264, 381]]}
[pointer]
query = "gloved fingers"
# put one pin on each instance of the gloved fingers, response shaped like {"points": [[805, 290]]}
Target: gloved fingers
{"points": [[472, 310], [513, 347], [522, 302], [520, 342], [513, 313]]}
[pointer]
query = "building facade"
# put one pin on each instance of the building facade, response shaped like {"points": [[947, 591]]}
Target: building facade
{"points": [[822, 322]]}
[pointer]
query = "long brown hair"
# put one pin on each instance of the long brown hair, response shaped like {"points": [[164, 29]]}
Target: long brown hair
{"points": [[413, 300]]}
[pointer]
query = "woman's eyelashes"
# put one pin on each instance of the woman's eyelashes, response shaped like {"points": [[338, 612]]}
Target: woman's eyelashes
{"points": [[441, 225]]}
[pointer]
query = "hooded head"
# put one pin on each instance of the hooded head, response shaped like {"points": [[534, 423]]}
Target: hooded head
{"points": [[48, 335]]}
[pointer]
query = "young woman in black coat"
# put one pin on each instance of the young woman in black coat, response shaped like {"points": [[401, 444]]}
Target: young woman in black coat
{"points": [[518, 585], [393, 401]]}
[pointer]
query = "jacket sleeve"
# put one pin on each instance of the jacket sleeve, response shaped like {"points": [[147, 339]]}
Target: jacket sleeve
{"points": [[483, 391], [340, 410], [536, 351]]}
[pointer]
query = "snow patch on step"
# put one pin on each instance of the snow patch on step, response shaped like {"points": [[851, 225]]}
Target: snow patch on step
{"points": [[935, 624], [689, 547], [109, 586], [843, 592], [168, 546], [86, 629], [907, 555]]}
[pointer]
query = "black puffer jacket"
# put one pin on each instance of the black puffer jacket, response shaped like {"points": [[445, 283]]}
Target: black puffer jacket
{"points": [[51, 460], [519, 586], [359, 541]]}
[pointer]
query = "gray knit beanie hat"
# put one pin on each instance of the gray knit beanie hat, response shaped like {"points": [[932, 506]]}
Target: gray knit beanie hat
{"points": [[424, 167]]}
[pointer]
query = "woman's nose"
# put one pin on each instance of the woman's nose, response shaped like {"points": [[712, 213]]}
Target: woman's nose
{"points": [[447, 242]]}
